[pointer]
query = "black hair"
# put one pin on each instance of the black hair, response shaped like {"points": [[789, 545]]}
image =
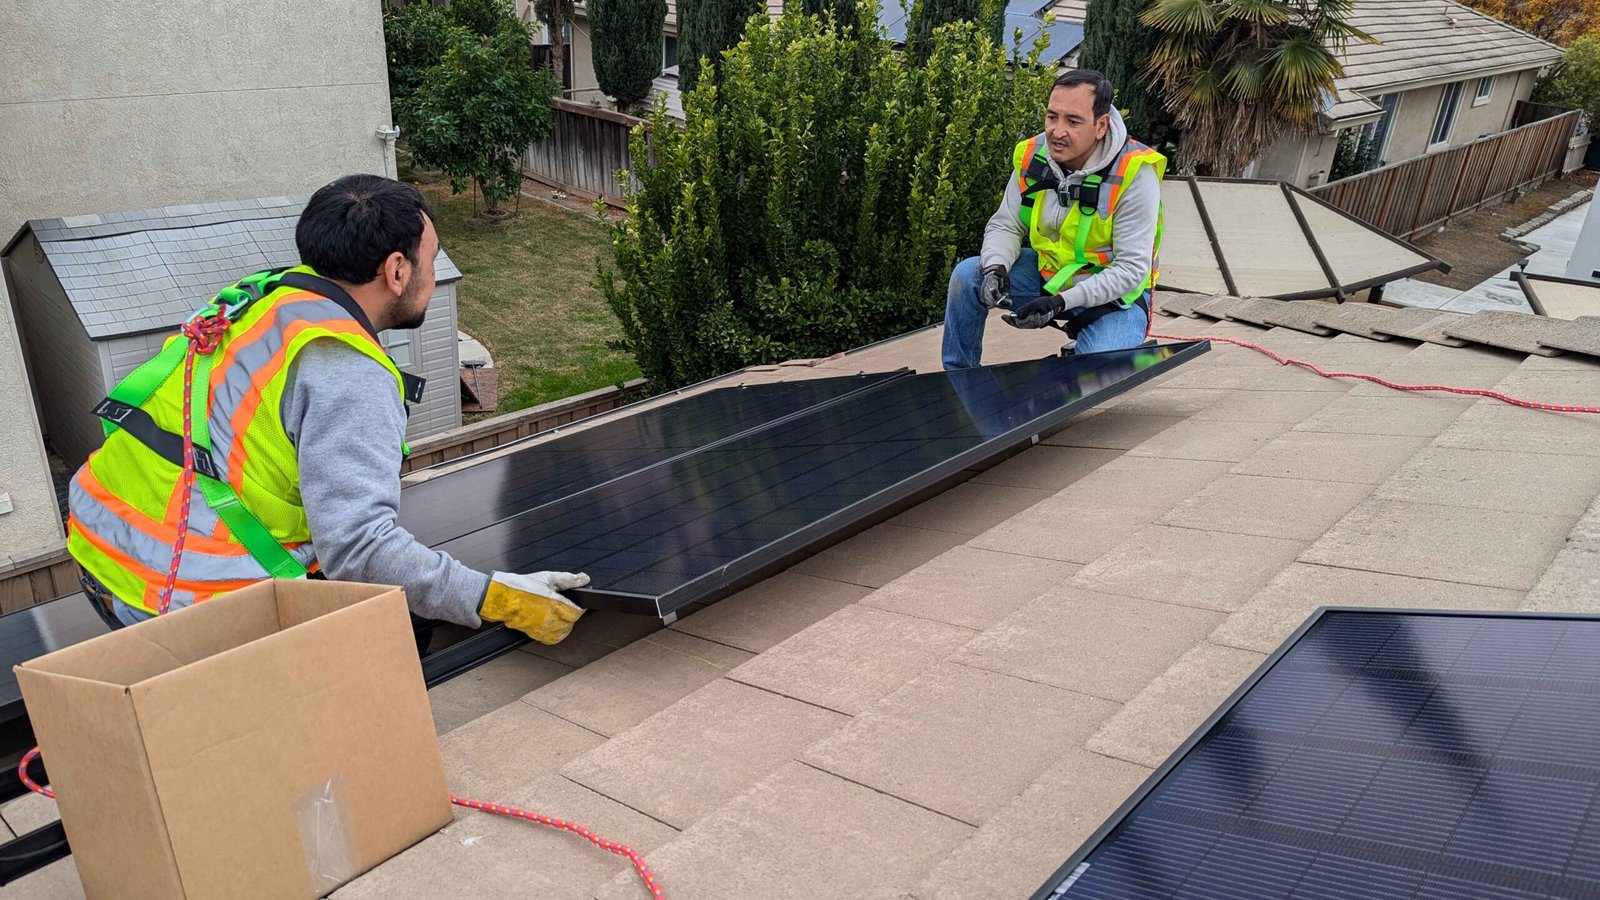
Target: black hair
{"points": [[352, 225], [1100, 83]]}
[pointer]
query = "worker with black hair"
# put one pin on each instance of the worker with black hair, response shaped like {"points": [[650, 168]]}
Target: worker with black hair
{"points": [[296, 421], [1087, 200]]}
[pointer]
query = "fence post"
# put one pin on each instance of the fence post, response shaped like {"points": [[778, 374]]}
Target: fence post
{"points": [[1422, 197]]}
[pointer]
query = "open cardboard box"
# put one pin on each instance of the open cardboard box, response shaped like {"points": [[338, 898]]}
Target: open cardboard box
{"points": [[271, 742]]}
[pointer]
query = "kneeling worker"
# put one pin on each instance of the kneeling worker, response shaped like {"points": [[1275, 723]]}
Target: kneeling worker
{"points": [[297, 422], [1087, 199]]}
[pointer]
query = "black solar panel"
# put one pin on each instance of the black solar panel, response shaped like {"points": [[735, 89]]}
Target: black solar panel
{"points": [[1378, 755], [32, 632], [658, 539], [438, 509]]}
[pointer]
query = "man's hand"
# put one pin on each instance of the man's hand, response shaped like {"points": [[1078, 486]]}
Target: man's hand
{"points": [[532, 604], [1038, 312], [995, 287]]}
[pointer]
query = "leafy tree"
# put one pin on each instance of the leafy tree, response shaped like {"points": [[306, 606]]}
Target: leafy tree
{"points": [[1116, 43], [1575, 81], [477, 111], [1239, 74], [817, 198], [556, 14], [486, 18], [1558, 21], [705, 29], [926, 15], [844, 11], [627, 46], [416, 36], [1352, 155]]}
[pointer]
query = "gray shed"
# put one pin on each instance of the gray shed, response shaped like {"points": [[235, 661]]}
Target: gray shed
{"points": [[97, 294]]}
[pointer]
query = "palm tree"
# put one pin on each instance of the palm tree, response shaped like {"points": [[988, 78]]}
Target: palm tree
{"points": [[1239, 74]]}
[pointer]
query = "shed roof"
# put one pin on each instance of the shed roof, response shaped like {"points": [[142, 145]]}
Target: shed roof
{"points": [[147, 270]]}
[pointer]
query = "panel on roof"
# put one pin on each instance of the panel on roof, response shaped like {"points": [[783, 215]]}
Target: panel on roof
{"points": [[1567, 299], [1267, 250], [1355, 253], [1188, 261], [677, 532], [32, 632], [434, 510], [1263, 243], [1380, 754]]}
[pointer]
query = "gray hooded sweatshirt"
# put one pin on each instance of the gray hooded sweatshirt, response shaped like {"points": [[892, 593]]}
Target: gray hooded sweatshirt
{"points": [[1133, 228]]}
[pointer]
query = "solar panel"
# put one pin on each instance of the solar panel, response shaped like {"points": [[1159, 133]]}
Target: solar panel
{"points": [[658, 539], [32, 632], [438, 509], [1378, 754]]}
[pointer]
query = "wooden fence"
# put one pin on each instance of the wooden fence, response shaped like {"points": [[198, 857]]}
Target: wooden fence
{"points": [[1409, 198], [586, 147]]}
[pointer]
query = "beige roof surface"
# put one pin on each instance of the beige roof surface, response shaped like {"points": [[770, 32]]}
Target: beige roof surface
{"points": [[946, 704], [1566, 299], [1262, 249]]}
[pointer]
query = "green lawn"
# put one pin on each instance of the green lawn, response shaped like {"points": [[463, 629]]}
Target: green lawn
{"points": [[527, 292]]}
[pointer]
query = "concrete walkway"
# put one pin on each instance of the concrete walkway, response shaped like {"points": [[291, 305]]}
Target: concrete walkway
{"points": [[1555, 240]]}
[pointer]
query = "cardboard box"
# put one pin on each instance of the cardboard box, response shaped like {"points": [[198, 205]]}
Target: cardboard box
{"points": [[271, 742]]}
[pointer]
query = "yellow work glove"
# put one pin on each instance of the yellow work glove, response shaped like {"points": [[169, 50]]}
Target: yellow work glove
{"points": [[532, 604]]}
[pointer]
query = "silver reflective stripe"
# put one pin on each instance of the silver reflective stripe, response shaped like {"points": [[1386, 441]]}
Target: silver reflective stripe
{"points": [[237, 381], [157, 554]]}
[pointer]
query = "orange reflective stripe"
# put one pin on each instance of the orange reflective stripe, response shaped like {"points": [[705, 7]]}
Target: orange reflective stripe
{"points": [[1028, 153], [269, 321], [154, 580], [160, 531], [246, 411], [1148, 156]]}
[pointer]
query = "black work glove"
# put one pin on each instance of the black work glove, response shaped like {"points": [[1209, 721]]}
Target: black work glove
{"points": [[995, 287], [1038, 312]]}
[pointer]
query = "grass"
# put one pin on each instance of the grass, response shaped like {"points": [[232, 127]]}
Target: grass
{"points": [[527, 292]]}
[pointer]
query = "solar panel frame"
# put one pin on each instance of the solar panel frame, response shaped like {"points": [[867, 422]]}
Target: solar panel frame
{"points": [[785, 548], [1056, 886]]}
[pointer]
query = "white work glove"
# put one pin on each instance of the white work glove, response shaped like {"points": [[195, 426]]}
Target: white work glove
{"points": [[533, 604]]}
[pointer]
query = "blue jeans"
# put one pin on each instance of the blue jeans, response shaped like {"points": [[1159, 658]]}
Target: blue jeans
{"points": [[965, 316]]}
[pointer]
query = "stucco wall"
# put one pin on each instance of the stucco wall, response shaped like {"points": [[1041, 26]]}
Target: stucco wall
{"points": [[115, 106]]}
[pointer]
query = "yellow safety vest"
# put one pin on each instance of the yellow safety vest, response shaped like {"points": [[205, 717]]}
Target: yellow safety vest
{"points": [[247, 522], [1083, 246]]}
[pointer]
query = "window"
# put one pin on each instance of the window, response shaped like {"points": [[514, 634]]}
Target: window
{"points": [[1485, 91], [1445, 122], [669, 52], [399, 343], [1375, 136]]}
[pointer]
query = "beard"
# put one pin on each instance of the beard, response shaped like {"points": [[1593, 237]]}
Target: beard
{"points": [[410, 308]]}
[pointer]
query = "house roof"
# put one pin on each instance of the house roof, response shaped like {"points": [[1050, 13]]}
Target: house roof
{"points": [[946, 704], [135, 272], [1420, 41], [1433, 41]]}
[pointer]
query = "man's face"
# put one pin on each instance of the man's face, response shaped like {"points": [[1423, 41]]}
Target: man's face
{"points": [[1070, 125], [411, 307]]}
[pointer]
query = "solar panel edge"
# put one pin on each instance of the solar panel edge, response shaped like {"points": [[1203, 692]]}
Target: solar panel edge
{"points": [[799, 540], [1058, 885]]}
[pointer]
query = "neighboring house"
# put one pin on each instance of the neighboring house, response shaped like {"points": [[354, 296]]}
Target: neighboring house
{"points": [[98, 294], [1024, 15], [140, 104], [1442, 76]]}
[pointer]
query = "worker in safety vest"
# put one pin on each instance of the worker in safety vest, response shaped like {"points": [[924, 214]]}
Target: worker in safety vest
{"points": [[1087, 200], [297, 433]]}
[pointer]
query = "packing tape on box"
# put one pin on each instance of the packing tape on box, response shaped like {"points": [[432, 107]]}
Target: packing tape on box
{"points": [[325, 835]]}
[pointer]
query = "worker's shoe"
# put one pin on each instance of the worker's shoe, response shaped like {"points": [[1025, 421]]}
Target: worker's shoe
{"points": [[532, 604]]}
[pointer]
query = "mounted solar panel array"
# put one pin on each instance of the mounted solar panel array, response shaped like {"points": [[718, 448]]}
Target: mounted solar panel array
{"points": [[686, 523], [37, 630], [1378, 754]]}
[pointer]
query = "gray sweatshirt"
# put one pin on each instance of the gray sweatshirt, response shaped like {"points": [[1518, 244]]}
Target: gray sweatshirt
{"points": [[1133, 227], [346, 420]]}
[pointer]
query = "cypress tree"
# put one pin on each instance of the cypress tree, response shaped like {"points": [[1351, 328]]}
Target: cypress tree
{"points": [[705, 29], [1117, 44], [627, 46], [926, 15]]}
